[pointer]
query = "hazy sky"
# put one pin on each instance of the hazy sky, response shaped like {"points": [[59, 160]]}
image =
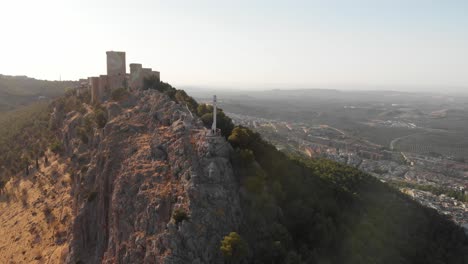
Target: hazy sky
{"points": [[243, 43]]}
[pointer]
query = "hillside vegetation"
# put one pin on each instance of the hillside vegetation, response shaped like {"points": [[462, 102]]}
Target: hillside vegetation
{"points": [[18, 91], [319, 211], [24, 134]]}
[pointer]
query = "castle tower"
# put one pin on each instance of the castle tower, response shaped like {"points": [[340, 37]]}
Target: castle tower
{"points": [[94, 86], [116, 69], [103, 86], [146, 72], [156, 74], [136, 76]]}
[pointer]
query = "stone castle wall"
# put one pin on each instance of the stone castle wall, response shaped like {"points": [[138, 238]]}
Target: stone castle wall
{"points": [[101, 87], [95, 91], [156, 73]]}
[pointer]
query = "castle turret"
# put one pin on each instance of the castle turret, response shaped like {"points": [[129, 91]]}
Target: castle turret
{"points": [[146, 72], [116, 69], [103, 86], [156, 74], [136, 76], [94, 89]]}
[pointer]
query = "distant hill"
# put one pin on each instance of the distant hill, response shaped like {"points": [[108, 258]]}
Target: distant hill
{"points": [[21, 90]]}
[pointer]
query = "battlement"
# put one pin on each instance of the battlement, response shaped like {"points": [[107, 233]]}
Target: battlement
{"points": [[156, 74], [136, 76]]}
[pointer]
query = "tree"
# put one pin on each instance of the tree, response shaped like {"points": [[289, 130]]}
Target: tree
{"points": [[83, 135], [233, 247], [119, 94], [204, 109], [240, 137], [100, 117], [182, 97], [180, 215], [56, 146], [3, 182], [246, 157]]}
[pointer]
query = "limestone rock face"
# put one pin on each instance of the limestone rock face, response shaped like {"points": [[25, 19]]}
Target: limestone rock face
{"points": [[150, 159]]}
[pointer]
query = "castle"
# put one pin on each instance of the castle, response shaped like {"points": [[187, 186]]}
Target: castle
{"points": [[117, 77]]}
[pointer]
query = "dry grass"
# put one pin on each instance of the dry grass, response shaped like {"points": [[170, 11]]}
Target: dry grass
{"points": [[35, 216]]}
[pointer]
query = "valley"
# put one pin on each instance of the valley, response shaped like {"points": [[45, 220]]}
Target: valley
{"points": [[397, 137]]}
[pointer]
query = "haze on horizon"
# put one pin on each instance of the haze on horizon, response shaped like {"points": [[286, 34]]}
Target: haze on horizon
{"points": [[308, 44]]}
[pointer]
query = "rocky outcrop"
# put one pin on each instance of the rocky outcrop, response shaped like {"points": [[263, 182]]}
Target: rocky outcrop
{"points": [[151, 159]]}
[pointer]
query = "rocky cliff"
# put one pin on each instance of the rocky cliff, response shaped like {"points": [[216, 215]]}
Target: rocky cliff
{"points": [[150, 187]]}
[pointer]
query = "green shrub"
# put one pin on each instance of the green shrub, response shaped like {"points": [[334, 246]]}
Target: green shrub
{"points": [[88, 123], [204, 109], [56, 146], [47, 211], [223, 122], [182, 97], [23, 132], [233, 248], [100, 117], [91, 196], [119, 94], [241, 137], [246, 157], [179, 215], [3, 182], [83, 134]]}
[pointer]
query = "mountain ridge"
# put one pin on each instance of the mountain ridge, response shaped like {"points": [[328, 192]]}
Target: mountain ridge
{"points": [[18, 91]]}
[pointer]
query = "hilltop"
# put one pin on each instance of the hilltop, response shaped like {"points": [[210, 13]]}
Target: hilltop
{"points": [[141, 181]]}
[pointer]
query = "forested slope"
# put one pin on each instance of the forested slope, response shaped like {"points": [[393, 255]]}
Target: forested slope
{"points": [[319, 211], [18, 91]]}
